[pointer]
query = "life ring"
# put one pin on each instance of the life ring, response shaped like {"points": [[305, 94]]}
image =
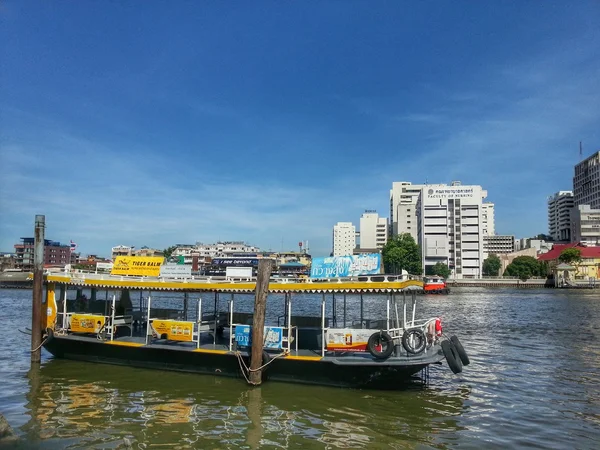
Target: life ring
{"points": [[461, 351], [452, 357], [380, 345], [414, 341]]}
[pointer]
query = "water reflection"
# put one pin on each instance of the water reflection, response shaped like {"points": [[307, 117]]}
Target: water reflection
{"points": [[106, 404]]}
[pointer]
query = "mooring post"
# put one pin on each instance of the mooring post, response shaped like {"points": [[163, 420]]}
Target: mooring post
{"points": [[38, 286], [265, 266]]}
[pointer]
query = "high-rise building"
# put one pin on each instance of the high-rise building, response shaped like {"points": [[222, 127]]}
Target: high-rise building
{"points": [[344, 239], [488, 219], [559, 215], [585, 225], [373, 230], [586, 182], [403, 203], [450, 228]]}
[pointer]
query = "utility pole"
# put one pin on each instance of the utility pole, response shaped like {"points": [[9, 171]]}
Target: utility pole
{"points": [[38, 284]]}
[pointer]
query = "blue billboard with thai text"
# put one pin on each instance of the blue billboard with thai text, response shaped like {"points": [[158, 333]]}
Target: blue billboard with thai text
{"points": [[346, 266]]}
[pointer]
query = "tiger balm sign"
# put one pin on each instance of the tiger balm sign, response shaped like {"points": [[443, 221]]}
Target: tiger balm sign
{"points": [[86, 323]]}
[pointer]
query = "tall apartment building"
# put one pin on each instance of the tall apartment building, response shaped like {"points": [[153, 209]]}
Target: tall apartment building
{"points": [[488, 219], [586, 182], [585, 225], [55, 254], [403, 208], [450, 228], [373, 230], [344, 239], [559, 215]]}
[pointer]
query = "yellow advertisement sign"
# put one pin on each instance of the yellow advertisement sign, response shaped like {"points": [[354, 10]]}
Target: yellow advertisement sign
{"points": [[140, 266], [86, 323], [174, 330]]}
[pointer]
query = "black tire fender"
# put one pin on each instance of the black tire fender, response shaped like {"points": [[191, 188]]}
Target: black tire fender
{"points": [[452, 357], [379, 339], [408, 339], [461, 351]]}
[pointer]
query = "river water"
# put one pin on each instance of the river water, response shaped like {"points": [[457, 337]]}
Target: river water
{"points": [[534, 382]]}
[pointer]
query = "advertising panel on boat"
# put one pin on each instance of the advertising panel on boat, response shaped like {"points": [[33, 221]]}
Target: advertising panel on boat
{"points": [[140, 266], [273, 336], [346, 266], [174, 330], [345, 339], [86, 323]]}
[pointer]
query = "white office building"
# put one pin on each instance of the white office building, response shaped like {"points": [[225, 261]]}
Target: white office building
{"points": [[559, 215], [344, 239], [403, 208], [488, 219], [373, 231], [586, 182], [498, 245], [450, 228], [585, 225]]}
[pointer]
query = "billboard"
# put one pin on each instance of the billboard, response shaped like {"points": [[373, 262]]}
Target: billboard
{"points": [[346, 266], [141, 266], [233, 262]]}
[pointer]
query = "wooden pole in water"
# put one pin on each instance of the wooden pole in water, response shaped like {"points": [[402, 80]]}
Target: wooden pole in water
{"points": [[38, 287], [265, 266]]}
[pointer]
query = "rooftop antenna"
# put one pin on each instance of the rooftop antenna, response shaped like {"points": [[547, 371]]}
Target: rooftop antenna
{"points": [[580, 150]]}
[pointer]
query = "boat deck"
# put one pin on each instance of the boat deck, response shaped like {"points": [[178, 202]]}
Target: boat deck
{"points": [[221, 346]]}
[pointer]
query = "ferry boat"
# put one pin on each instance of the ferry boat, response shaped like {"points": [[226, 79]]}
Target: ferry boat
{"points": [[203, 327], [435, 285]]}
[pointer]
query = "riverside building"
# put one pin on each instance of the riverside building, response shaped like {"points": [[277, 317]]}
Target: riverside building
{"points": [[586, 182], [559, 215], [344, 239], [373, 230], [498, 245], [403, 208], [450, 228], [585, 225]]}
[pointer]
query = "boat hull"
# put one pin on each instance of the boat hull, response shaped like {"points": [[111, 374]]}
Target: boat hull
{"points": [[340, 371]]}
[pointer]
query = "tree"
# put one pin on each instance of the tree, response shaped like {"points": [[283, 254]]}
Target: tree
{"points": [[543, 237], [168, 251], [441, 270], [570, 256], [491, 266], [524, 267], [402, 253]]}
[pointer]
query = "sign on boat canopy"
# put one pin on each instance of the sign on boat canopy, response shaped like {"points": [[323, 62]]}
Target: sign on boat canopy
{"points": [[346, 266]]}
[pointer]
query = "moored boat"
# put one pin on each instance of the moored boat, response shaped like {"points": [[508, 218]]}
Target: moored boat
{"points": [[435, 285], [204, 328]]}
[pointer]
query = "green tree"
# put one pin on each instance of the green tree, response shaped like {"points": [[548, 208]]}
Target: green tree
{"points": [[441, 270], [168, 251], [491, 266], [570, 256], [524, 267], [402, 253]]}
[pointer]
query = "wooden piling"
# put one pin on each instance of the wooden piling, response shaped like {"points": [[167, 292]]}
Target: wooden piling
{"points": [[38, 286], [265, 267]]}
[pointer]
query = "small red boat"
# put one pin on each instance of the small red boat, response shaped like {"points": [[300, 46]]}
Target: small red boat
{"points": [[435, 285]]}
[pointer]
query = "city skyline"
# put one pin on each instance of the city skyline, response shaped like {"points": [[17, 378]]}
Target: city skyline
{"points": [[154, 125]]}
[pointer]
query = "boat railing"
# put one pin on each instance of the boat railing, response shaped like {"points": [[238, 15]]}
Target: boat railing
{"points": [[80, 276]]}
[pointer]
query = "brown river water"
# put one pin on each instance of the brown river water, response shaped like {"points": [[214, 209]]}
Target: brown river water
{"points": [[534, 382]]}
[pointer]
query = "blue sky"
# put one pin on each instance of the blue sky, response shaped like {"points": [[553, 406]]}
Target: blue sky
{"points": [[154, 123]]}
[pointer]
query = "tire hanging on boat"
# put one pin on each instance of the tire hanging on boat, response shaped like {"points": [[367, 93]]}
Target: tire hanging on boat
{"points": [[414, 341], [380, 345], [461, 351], [452, 357]]}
